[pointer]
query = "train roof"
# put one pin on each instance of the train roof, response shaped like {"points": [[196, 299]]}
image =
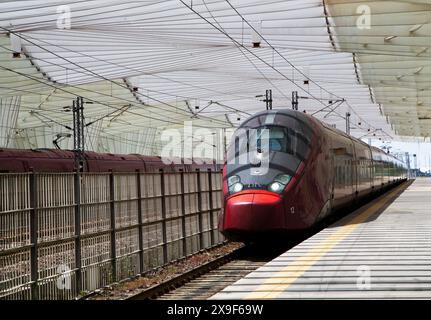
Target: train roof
{"points": [[306, 118], [89, 155], [300, 116], [35, 153]]}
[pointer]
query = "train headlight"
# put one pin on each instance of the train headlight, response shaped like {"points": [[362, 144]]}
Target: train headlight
{"points": [[279, 183], [275, 187], [234, 184], [232, 180], [237, 187]]}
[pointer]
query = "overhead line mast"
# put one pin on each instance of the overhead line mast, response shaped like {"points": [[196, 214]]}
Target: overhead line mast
{"points": [[78, 133]]}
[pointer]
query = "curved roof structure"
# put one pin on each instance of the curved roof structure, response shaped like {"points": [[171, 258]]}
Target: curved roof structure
{"points": [[144, 66]]}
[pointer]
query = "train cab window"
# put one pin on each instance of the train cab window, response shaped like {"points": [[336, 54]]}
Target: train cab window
{"points": [[275, 145], [284, 140], [288, 134], [279, 141]]}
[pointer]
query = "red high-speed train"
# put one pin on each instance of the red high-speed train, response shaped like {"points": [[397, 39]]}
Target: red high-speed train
{"points": [[308, 171], [51, 160]]}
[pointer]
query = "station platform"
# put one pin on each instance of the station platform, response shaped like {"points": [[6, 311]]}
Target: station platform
{"points": [[380, 251]]}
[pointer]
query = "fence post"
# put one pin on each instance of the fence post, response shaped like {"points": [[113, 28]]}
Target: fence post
{"points": [[141, 240], [113, 235], [183, 211], [78, 262], [164, 231], [201, 235], [211, 207], [33, 237]]}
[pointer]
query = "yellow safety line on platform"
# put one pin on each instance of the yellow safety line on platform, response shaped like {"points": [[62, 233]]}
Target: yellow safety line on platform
{"points": [[281, 280]]}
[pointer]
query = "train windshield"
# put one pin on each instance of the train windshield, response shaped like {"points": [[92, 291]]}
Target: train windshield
{"points": [[268, 146], [277, 139], [271, 139]]}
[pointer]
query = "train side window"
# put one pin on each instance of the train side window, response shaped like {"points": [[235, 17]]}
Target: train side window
{"points": [[236, 147]]}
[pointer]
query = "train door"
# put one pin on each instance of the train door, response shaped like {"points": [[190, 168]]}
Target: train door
{"points": [[342, 150], [329, 170], [369, 167], [351, 171], [334, 174], [378, 170], [363, 165]]}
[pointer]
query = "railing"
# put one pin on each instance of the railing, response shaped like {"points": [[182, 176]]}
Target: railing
{"points": [[65, 234]]}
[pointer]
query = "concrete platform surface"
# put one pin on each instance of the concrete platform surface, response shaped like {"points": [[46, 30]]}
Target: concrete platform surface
{"points": [[380, 251]]}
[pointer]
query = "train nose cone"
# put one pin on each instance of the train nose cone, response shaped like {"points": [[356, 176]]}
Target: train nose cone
{"points": [[254, 212]]}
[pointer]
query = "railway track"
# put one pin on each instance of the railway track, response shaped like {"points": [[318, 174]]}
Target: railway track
{"points": [[212, 277]]}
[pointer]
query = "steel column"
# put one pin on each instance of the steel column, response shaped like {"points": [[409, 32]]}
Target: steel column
{"points": [[78, 262], [183, 214], [113, 235], [211, 207], [201, 236], [140, 220], [33, 237], [164, 231]]}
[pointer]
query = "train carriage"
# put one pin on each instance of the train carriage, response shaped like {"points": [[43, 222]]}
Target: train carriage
{"points": [[310, 170]]}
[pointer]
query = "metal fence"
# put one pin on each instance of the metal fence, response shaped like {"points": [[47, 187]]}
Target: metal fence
{"points": [[65, 234]]}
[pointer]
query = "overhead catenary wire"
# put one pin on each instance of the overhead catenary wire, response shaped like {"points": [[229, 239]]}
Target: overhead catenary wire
{"points": [[93, 100], [248, 50], [97, 75], [293, 66], [88, 99], [245, 55], [172, 25], [114, 82], [275, 50]]}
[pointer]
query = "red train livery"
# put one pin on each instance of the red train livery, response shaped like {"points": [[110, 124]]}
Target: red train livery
{"points": [[51, 160], [312, 170]]}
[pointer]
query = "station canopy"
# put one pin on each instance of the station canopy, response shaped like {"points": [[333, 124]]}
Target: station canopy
{"points": [[146, 66]]}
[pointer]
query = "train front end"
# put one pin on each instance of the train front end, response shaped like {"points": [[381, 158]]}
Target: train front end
{"points": [[264, 162]]}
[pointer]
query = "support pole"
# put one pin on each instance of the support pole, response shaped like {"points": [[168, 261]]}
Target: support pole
{"points": [[113, 234], [78, 133], [78, 263], [295, 101], [409, 173], [33, 238], [268, 99], [140, 221], [200, 208], [183, 213], [164, 231], [211, 209], [348, 123]]}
